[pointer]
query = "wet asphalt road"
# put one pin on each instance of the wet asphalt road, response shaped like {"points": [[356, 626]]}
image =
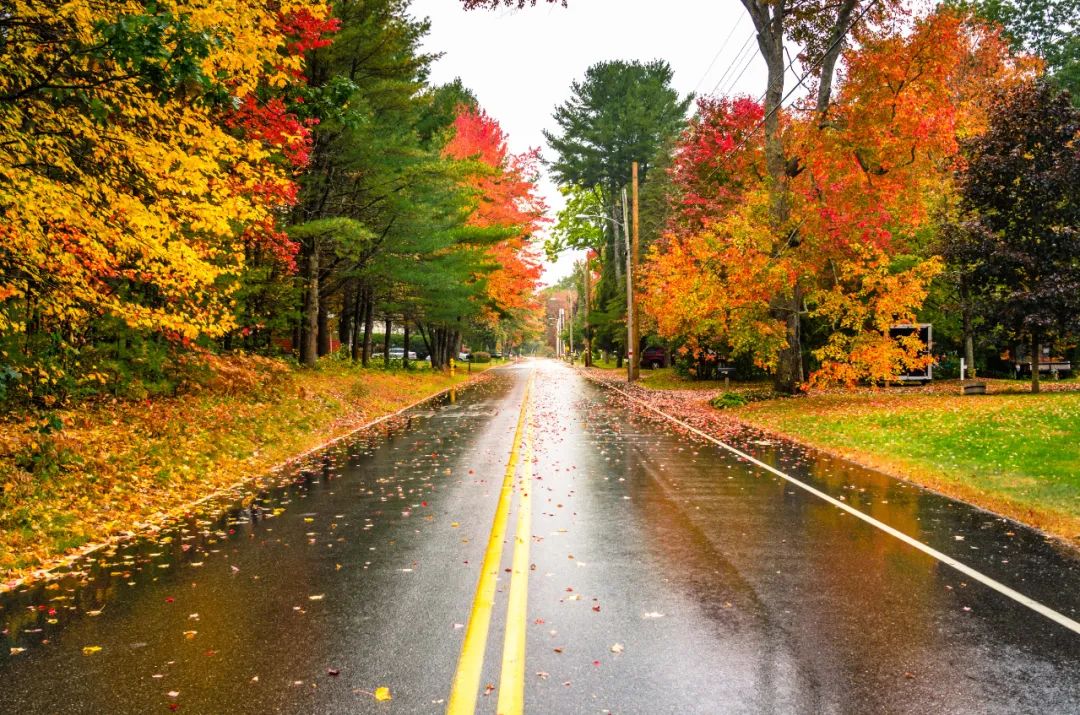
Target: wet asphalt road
{"points": [[668, 576]]}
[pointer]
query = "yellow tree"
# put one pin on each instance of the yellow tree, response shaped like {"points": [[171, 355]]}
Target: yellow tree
{"points": [[137, 150]]}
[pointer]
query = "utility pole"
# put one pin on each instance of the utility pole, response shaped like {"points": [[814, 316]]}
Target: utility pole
{"points": [[573, 311], [588, 308], [635, 357], [629, 294]]}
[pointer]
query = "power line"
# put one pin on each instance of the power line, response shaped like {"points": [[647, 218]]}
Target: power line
{"points": [[805, 75], [734, 63], [719, 52], [735, 81]]}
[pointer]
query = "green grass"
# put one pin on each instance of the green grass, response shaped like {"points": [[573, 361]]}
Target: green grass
{"points": [[1014, 453]]}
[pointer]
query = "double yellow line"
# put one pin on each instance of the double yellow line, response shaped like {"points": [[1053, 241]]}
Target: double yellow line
{"points": [[466, 684]]}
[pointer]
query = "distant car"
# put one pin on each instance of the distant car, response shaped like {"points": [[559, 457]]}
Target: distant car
{"points": [[654, 357], [463, 357], [399, 354], [496, 356]]}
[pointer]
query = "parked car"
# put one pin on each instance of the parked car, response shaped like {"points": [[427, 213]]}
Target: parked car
{"points": [[399, 354], [463, 357], [654, 357], [496, 356]]}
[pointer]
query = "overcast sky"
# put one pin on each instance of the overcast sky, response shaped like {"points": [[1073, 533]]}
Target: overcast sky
{"points": [[520, 63]]}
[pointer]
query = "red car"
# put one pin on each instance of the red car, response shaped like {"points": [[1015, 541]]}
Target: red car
{"points": [[654, 358]]}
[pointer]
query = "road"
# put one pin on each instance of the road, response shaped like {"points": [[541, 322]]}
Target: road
{"points": [[650, 572]]}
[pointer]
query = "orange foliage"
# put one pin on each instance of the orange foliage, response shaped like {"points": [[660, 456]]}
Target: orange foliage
{"points": [[505, 196]]}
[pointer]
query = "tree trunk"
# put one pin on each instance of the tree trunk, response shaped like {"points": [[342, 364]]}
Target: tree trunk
{"points": [[405, 353], [369, 326], [386, 344], [323, 322], [1036, 353], [358, 307], [968, 328], [309, 346], [345, 320]]}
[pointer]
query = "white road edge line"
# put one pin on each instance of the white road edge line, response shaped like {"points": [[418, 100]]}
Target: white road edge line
{"points": [[1001, 588]]}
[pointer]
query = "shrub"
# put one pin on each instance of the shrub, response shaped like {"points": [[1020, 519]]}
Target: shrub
{"points": [[728, 400], [480, 357], [738, 399]]}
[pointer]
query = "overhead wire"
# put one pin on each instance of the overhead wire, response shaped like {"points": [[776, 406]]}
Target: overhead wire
{"points": [[799, 83], [723, 46], [739, 56]]}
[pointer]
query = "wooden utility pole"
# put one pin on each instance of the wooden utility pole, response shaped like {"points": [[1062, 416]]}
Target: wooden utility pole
{"points": [[629, 293], [588, 308], [635, 356]]}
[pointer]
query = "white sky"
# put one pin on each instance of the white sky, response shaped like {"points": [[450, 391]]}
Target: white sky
{"points": [[520, 63]]}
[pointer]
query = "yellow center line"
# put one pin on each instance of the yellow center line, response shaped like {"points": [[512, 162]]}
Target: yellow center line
{"points": [[512, 677], [466, 683]]}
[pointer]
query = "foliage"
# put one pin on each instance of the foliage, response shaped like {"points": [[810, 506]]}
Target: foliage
{"points": [[480, 357], [861, 194], [620, 113], [1047, 28], [145, 151], [1019, 249]]}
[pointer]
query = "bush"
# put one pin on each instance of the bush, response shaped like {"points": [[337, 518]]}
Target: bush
{"points": [[480, 357], [728, 400], [738, 399]]}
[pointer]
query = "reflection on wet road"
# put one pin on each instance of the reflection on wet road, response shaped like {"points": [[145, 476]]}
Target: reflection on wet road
{"points": [[663, 575]]}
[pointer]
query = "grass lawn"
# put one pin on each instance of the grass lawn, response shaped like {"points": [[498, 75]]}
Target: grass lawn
{"points": [[1018, 454], [115, 465]]}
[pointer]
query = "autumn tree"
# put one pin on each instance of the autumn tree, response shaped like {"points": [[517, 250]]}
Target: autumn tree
{"points": [[504, 200], [859, 205], [1047, 28], [1019, 250], [142, 150]]}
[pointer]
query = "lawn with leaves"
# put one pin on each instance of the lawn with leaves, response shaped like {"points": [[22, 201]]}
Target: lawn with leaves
{"points": [[1014, 453], [85, 474]]}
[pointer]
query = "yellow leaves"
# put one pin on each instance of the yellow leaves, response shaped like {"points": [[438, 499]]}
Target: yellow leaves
{"points": [[91, 649], [157, 195], [382, 694]]}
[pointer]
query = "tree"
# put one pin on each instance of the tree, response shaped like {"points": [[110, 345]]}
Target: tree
{"points": [[145, 153], [1021, 189], [859, 206], [505, 197], [620, 113], [1047, 28]]}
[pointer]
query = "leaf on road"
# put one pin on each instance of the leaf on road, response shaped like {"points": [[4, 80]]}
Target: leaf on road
{"points": [[382, 694]]}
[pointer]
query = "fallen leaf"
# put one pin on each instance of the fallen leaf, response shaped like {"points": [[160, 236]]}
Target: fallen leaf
{"points": [[617, 648], [382, 694], [90, 649]]}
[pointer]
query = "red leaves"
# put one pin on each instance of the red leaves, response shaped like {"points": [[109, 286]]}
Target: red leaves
{"points": [[307, 31], [273, 124]]}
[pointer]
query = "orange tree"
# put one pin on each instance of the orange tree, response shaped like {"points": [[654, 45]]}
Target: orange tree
{"points": [[504, 197], [860, 198]]}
